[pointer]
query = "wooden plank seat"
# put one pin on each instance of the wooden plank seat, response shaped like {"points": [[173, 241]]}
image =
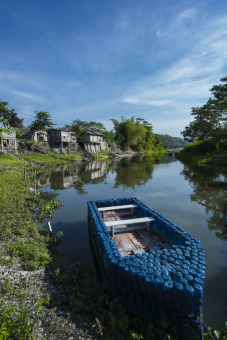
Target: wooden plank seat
{"points": [[115, 226], [118, 207]]}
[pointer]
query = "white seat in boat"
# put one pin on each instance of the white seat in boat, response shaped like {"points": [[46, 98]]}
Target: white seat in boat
{"points": [[116, 225], [118, 207]]}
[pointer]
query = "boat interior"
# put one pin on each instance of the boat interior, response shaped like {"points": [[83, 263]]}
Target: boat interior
{"points": [[132, 233]]}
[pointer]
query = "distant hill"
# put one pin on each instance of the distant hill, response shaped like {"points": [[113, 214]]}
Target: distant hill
{"points": [[169, 142]]}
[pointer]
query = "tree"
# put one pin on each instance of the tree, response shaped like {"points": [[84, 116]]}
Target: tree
{"points": [[42, 121], [210, 120], [134, 133], [79, 126], [9, 119]]}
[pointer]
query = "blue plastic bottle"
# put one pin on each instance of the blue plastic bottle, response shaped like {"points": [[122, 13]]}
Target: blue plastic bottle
{"points": [[183, 281], [121, 278], [189, 278], [128, 278], [149, 271], [199, 281], [178, 276], [177, 298], [198, 291], [114, 269], [149, 281], [135, 279], [188, 300], [142, 286], [158, 287], [168, 294]]}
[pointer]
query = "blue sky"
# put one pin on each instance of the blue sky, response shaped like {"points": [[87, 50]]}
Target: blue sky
{"points": [[97, 60]]}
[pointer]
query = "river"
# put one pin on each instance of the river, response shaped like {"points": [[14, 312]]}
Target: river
{"points": [[192, 197]]}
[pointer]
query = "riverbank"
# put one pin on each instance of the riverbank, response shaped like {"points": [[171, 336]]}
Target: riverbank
{"points": [[204, 153]]}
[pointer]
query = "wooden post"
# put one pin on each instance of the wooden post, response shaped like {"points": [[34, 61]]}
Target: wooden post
{"points": [[49, 227], [35, 180], [24, 173]]}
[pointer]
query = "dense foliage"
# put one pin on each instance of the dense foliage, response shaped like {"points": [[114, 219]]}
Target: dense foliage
{"points": [[42, 120], [9, 119], [207, 152], [169, 142], [210, 120], [136, 134]]}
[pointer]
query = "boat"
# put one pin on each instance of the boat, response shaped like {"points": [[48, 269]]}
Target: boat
{"points": [[152, 264]]}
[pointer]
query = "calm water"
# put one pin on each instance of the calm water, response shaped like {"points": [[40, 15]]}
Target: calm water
{"points": [[193, 198]]}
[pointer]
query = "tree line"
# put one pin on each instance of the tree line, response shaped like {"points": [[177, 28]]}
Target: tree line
{"points": [[133, 133], [169, 142], [210, 123]]}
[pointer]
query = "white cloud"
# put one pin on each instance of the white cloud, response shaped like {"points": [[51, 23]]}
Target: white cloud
{"points": [[26, 95], [186, 82], [158, 33], [132, 100], [187, 14]]}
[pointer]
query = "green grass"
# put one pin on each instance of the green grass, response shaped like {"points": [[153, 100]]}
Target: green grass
{"points": [[15, 319], [100, 155], [9, 161], [51, 159], [71, 156], [42, 159], [17, 221]]}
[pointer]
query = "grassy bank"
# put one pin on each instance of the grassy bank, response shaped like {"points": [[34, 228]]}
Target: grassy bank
{"points": [[51, 158], [204, 153]]}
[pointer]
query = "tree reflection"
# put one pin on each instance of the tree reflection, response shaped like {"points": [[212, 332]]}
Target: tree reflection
{"points": [[134, 171], [209, 190], [128, 172]]}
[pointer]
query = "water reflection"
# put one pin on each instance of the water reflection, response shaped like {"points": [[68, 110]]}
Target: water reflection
{"points": [[75, 175], [94, 172], [209, 190], [59, 178], [139, 171], [209, 184]]}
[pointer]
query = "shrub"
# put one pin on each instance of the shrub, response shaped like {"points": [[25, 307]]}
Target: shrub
{"points": [[202, 147]]}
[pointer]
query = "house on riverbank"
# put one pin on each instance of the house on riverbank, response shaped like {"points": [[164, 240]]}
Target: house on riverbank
{"points": [[8, 142], [94, 142], [62, 141], [36, 135], [57, 140]]}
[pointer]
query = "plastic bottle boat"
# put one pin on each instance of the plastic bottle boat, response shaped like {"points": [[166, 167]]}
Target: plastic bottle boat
{"points": [[156, 267]]}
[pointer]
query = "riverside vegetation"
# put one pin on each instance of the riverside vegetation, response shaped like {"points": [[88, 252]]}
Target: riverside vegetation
{"points": [[208, 131], [51, 298], [204, 153]]}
